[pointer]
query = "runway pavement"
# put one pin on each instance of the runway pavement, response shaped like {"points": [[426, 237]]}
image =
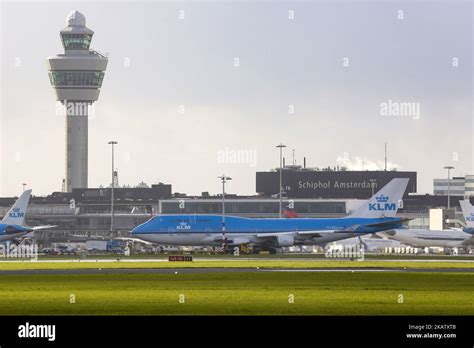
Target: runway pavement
{"points": [[224, 270]]}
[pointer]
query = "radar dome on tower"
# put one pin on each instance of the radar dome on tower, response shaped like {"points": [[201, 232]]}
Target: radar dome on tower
{"points": [[76, 19]]}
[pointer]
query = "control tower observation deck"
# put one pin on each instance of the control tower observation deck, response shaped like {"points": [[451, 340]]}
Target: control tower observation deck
{"points": [[76, 77]]}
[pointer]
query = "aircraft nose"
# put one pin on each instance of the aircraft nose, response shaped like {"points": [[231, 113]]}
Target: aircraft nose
{"points": [[140, 228], [137, 229]]}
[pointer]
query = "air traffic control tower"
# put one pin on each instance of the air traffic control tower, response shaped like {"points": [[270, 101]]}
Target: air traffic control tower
{"points": [[76, 77]]}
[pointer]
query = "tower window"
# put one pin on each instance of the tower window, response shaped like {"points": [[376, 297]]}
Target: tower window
{"points": [[76, 41], [76, 78]]}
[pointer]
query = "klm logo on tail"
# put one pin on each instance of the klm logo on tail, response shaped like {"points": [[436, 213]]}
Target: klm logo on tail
{"points": [[382, 204], [16, 213], [470, 217]]}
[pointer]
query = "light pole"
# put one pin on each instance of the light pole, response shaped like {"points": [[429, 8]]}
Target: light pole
{"points": [[372, 184], [281, 146], [224, 179], [449, 184], [112, 142]]}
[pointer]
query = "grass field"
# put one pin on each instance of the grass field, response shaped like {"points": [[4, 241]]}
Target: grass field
{"points": [[325, 263], [262, 293]]}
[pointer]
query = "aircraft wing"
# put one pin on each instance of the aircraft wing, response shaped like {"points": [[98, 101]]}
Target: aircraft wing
{"points": [[275, 234], [321, 233], [302, 237], [44, 227], [303, 233], [386, 223], [128, 239], [313, 233], [318, 234], [353, 228]]}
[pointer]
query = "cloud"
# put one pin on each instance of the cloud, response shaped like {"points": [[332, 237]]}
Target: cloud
{"points": [[363, 163]]}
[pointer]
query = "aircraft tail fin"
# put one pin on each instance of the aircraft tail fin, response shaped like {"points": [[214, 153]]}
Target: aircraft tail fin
{"points": [[16, 214], [290, 213], [385, 202], [468, 212]]}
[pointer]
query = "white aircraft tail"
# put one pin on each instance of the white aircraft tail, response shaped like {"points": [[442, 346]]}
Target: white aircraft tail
{"points": [[385, 202], [16, 214], [468, 212]]}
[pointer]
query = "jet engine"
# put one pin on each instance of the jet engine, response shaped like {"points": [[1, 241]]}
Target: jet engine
{"points": [[285, 240]]}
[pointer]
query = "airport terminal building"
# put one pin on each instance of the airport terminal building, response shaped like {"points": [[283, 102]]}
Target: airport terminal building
{"points": [[300, 182], [457, 186]]}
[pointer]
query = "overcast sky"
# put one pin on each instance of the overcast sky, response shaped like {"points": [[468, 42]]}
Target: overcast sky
{"points": [[183, 95]]}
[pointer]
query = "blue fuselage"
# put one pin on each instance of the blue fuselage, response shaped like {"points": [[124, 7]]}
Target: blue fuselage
{"points": [[8, 232], [203, 229]]}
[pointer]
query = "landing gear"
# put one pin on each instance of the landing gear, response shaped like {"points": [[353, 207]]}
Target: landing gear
{"points": [[19, 241], [272, 251]]}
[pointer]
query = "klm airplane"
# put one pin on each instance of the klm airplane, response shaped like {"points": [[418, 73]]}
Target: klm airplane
{"points": [[375, 215], [468, 212], [12, 225], [449, 238]]}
